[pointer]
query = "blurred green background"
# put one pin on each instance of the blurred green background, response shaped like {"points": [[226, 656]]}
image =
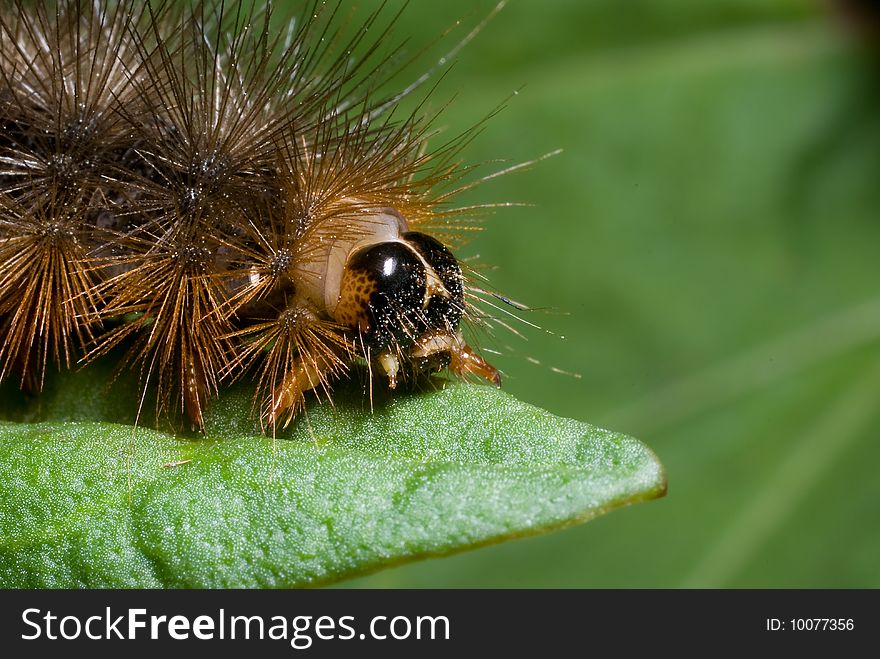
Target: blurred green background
{"points": [[707, 245]]}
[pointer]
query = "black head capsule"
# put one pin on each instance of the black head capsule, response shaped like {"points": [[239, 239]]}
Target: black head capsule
{"points": [[382, 294], [405, 298], [396, 291]]}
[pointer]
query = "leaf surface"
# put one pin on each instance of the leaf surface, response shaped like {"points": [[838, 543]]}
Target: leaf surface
{"points": [[86, 502]]}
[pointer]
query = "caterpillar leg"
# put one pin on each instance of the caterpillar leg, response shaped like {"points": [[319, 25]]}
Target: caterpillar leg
{"points": [[390, 366], [446, 348], [306, 374], [464, 360]]}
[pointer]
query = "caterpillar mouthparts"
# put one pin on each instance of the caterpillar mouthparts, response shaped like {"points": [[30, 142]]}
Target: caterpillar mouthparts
{"points": [[223, 198]]}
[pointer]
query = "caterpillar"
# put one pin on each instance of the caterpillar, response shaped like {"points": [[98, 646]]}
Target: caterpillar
{"points": [[224, 199]]}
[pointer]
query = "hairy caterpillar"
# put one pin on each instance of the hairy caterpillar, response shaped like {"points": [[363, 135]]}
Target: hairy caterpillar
{"points": [[223, 198]]}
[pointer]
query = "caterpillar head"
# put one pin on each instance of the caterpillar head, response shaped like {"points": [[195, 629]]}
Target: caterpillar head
{"points": [[397, 290], [401, 293]]}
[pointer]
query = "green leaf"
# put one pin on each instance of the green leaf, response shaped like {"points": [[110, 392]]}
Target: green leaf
{"points": [[89, 503]]}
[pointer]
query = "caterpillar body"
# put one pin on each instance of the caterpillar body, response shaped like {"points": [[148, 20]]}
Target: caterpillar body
{"points": [[222, 198]]}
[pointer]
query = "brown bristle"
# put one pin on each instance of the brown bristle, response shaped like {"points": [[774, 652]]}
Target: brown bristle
{"points": [[47, 295]]}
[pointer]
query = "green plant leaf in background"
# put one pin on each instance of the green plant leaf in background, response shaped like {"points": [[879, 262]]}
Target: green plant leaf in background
{"points": [[88, 503]]}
